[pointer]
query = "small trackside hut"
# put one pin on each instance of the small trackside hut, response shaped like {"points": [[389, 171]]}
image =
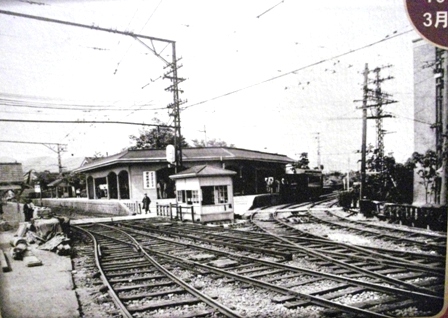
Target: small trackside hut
{"points": [[204, 193]]}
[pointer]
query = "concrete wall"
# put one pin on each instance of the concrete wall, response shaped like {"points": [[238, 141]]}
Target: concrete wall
{"points": [[111, 207], [424, 108]]}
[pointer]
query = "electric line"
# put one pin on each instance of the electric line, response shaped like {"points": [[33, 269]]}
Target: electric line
{"points": [[154, 11], [80, 122], [270, 9], [299, 69], [46, 101], [85, 109], [127, 50]]}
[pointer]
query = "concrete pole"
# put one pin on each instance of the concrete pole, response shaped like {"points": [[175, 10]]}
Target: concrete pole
{"points": [[444, 176], [364, 134]]}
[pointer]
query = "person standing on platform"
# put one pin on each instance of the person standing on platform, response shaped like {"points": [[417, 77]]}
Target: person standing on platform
{"points": [[146, 202]]}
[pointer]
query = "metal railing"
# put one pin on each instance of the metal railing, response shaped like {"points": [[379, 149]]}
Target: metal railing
{"points": [[174, 211], [134, 207], [432, 217]]}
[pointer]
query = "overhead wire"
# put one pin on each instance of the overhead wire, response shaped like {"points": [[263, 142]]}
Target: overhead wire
{"points": [[129, 47], [298, 69], [90, 108], [291, 72]]}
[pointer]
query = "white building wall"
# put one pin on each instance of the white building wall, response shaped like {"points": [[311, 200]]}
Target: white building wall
{"points": [[424, 108]]}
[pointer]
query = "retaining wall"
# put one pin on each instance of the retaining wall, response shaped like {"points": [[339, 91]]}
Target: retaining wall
{"points": [[89, 206]]}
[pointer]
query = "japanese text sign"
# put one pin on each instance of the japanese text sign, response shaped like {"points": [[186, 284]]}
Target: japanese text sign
{"points": [[430, 18]]}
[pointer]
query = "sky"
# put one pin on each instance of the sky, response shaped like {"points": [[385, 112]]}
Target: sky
{"points": [[267, 75]]}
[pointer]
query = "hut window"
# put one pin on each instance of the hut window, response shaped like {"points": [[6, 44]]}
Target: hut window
{"points": [[214, 195], [208, 197], [195, 196], [180, 196], [188, 196], [222, 194]]}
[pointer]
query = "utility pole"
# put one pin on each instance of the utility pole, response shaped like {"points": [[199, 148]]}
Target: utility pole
{"points": [[173, 66], [318, 151], [59, 148], [205, 137], [440, 126], [174, 107], [381, 99], [377, 99], [364, 132]]}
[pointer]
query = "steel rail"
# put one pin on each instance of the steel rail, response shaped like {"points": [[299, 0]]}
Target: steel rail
{"points": [[416, 290], [355, 268], [111, 291], [308, 251], [276, 253], [372, 255], [380, 257], [382, 235], [436, 235], [311, 298], [206, 299]]}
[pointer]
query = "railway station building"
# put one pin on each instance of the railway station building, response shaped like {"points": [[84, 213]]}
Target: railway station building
{"points": [[130, 174]]}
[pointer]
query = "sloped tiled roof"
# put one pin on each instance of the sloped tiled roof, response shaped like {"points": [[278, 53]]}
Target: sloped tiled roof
{"points": [[188, 155], [57, 182], [202, 171], [11, 173]]}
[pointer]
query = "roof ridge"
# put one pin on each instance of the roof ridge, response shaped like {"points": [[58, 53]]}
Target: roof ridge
{"points": [[203, 167]]}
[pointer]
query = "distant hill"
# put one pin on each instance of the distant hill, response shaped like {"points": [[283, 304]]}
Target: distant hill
{"points": [[46, 163]]}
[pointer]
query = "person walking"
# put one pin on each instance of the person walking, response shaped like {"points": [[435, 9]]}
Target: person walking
{"points": [[146, 202]]}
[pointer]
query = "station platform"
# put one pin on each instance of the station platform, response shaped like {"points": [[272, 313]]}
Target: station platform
{"points": [[112, 218], [45, 291], [39, 291]]}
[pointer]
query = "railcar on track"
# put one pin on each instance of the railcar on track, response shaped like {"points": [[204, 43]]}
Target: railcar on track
{"points": [[301, 185]]}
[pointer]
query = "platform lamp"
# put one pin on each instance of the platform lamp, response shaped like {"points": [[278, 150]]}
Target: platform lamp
{"points": [[171, 156], [38, 189]]}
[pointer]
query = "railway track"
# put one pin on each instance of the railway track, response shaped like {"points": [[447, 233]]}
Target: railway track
{"points": [[432, 239], [353, 259], [405, 239], [430, 246], [139, 284], [174, 243]]}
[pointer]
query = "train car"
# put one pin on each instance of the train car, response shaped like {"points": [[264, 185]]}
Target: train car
{"points": [[301, 185]]}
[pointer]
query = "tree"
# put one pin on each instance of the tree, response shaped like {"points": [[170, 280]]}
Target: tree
{"points": [[77, 180], [427, 170], [303, 162], [155, 138], [210, 143], [387, 180], [44, 178]]}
